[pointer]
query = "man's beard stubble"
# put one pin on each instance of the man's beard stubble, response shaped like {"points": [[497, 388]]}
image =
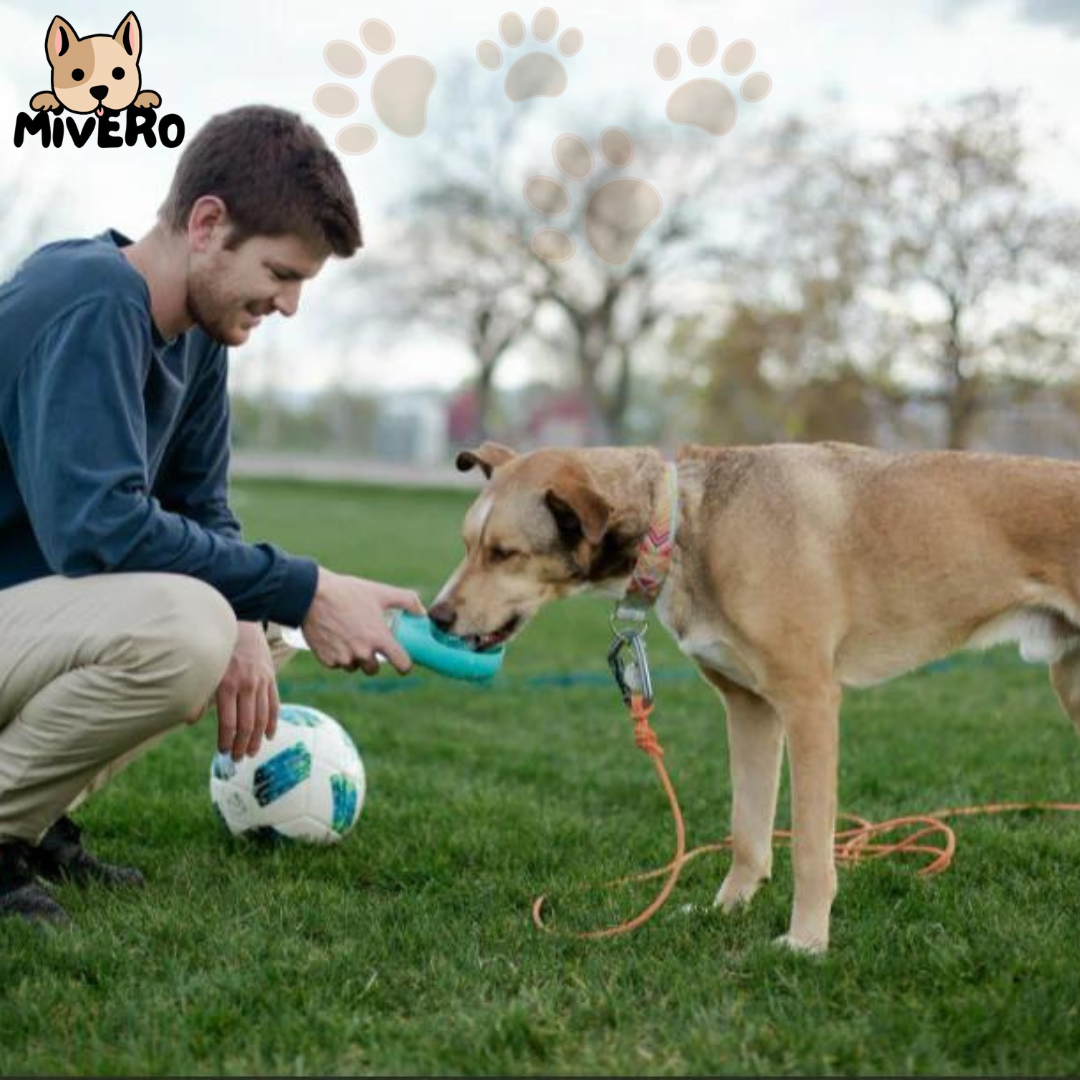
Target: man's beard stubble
{"points": [[206, 311]]}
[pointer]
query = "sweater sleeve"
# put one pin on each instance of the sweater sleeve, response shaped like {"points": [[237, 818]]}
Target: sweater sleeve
{"points": [[194, 479], [79, 459]]}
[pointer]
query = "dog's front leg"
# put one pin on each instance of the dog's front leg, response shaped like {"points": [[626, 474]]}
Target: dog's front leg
{"points": [[755, 749], [809, 712]]}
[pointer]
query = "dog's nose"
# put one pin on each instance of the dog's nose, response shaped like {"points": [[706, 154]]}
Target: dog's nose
{"points": [[99, 92], [442, 615]]}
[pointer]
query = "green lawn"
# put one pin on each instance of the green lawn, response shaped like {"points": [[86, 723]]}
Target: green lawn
{"points": [[409, 947]]}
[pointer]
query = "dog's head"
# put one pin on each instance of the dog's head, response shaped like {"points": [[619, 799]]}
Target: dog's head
{"points": [[95, 73], [538, 531]]}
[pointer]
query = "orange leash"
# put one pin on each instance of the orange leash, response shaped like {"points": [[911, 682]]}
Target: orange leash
{"points": [[852, 845], [646, 740]]}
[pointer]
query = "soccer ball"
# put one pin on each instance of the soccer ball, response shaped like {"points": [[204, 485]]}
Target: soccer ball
{"points": [[307, 783]]}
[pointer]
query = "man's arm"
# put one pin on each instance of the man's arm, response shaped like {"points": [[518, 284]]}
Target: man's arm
{"points": [[77, 439]]}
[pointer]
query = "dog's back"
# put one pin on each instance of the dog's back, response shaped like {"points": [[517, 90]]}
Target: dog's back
{"points": [[869, 548]]}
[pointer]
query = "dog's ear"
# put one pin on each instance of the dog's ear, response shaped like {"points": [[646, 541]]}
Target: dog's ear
{"points": [[129, 35], [489, 456], [578, 511], [59, 39]]}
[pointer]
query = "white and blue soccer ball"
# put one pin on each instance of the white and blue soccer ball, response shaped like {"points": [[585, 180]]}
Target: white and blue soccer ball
{"points": [[307, 783]]}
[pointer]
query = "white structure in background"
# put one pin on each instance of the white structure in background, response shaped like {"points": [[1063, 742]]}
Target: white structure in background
{"points": [[412, 428]]}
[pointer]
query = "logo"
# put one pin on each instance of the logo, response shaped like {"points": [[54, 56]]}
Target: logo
{"points": [[99, 77]]}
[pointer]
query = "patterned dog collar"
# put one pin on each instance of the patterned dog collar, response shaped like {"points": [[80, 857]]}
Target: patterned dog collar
{"points": [[654, 552]]}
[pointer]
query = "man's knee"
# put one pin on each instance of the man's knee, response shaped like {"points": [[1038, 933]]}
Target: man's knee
{"points": [[196, 633]]}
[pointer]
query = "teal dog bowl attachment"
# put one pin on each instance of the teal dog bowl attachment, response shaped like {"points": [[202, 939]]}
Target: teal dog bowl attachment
{"points": [[444, 653]]}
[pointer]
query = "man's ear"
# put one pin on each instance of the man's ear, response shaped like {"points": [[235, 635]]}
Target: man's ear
{"points": [[129, 35], [208, 213], [59, 38], [489, 456], [578, 511]]}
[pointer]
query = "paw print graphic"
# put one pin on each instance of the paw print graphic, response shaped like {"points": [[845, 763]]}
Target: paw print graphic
{"points": [[618, 212], [707, 103], [536, 74], [399, 92]]}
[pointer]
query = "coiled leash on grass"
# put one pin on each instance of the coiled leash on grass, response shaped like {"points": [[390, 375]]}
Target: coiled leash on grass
{"points": [[851, 845]]}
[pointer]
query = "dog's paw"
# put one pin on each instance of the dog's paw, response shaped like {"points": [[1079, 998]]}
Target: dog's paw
{"points": [[147, 100], [738, 890], [46, 101], [802, 946]]}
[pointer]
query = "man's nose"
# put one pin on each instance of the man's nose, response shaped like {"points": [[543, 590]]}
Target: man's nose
{"points": [[288, 300], [442, 615]]}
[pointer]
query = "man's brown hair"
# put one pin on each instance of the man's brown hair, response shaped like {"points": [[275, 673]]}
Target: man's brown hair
{"points": [[275, 174]]}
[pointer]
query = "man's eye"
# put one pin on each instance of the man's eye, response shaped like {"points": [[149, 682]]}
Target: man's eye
{"points": [[276, 275]]}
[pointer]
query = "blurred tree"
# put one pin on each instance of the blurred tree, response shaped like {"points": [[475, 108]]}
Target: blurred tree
{"points": [[983, 263], [612, 314], [457, 263], [733, 400], [923, 270], [746, 396], [465, 258], [793, 355]]}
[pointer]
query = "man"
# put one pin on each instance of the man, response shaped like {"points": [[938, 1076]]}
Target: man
{"points": [[128, 600]]}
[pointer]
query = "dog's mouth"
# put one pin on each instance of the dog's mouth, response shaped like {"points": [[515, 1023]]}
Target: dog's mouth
{"points": [[487, 642]]}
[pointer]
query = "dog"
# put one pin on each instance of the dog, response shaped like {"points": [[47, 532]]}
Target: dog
{"points": [[796, 570], [95, 73]]}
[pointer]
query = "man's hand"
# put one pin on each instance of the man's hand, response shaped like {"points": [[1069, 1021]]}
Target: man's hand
{"points": [[345, 625], [247, 696]]}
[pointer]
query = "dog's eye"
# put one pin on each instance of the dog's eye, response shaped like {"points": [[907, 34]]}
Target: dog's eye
{"points": [[117, 73], [77, 74], [501, 554]]}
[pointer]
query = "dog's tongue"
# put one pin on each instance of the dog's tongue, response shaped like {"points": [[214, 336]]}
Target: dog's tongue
{"points": [[101, 110]]}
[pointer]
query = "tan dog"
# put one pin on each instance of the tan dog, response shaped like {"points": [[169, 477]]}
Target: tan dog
{"points": [[95, 73], [797, 569]]}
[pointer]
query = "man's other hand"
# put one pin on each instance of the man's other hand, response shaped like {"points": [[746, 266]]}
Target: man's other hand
{"points": [[247, 696]]}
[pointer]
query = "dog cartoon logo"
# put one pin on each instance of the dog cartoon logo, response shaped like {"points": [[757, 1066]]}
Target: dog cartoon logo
{"points": [[95, 73], [99, 77]]}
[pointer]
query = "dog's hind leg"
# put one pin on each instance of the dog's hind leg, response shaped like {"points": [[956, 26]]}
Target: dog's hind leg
{"points": [[1065, 678], [755, 748]]}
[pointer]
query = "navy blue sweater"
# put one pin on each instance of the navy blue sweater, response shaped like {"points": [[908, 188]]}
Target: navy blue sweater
{"points": [[114, 443]]}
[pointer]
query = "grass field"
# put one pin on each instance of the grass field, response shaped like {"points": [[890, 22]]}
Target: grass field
{"points": [[409, 948]]}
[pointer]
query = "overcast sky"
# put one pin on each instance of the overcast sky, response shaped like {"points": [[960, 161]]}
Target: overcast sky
{"points": [[871, 62]]}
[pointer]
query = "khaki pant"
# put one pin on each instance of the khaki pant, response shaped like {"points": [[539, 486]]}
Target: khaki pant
{"points": [[93, 672]]}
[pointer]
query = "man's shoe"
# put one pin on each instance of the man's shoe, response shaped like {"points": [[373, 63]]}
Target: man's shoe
{"points": [[60, 856], [20, 892]]}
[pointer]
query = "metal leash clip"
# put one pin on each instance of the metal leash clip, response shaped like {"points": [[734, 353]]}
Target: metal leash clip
{"points": [[631, 673], [627, 613]]}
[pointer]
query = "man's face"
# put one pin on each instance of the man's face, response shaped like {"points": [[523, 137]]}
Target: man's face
{"points": [[230, 292]]}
